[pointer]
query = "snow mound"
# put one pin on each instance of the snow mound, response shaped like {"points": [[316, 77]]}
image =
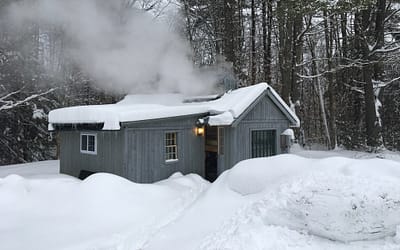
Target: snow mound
{"points": [[255, 175], [335, 207], [102, 212], [335, 198]]}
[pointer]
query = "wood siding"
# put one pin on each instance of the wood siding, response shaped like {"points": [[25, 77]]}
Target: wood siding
{"points": [[145, 149], [263, 115], [109, 157], [137, 151]]}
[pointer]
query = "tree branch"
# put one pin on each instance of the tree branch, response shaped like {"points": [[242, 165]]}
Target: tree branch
{"points": [[12, 105]]}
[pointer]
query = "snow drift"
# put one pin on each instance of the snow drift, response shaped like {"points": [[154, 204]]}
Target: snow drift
{"points": [[282, 202], [335, 198], [103, 212]]}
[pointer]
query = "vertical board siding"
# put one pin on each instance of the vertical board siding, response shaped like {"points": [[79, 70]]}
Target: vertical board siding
{"points": [[148, 158], [137, 151], [109, 157], [265, 115]]}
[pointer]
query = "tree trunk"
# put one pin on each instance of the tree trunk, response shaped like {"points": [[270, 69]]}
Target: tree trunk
{"points": [[267, 38], [370, 110], [229, 31], [253, 43], [318, 89], [285, 41], [331, 83]]}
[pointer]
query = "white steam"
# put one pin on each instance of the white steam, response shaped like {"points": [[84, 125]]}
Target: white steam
{"points": [[122, 49]]}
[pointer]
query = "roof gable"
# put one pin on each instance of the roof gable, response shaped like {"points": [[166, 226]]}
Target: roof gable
{"points": [[262, 110], [224, 118]]}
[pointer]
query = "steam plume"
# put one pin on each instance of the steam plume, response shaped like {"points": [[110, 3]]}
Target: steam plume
{"points": [[124, 50]]}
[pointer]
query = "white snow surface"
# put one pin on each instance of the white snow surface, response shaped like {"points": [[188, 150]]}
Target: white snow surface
{"points": [[284, 202], [102, 212], [147, 107], [40, 169], [289, 132]]}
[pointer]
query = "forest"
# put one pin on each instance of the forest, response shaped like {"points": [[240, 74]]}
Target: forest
{"points": [[335, 62]]}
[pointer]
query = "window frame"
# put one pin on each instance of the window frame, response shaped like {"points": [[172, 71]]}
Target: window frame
{"points": [[87, 151], [275, 146], [166, 146], [221, 140]]}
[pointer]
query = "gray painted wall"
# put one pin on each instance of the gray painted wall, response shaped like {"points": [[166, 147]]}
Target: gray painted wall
{"points": [[145, 149], [137, 151], [109, 157], [264, 115]]}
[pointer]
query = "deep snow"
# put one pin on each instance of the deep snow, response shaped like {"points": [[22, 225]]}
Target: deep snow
{"points": [[102, 212], [281, 202]]}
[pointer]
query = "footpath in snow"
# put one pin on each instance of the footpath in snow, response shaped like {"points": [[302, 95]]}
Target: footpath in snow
{"points": [[282, 202]]}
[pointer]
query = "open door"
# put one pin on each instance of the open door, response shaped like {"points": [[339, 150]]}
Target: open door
{"points": [[211, 154]]}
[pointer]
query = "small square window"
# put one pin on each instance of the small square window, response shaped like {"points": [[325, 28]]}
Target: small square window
{"points": [[88, 143], [171, 147]]}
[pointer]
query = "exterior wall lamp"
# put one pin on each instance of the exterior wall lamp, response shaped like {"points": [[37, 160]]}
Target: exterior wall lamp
{"points": [[199, 130]]}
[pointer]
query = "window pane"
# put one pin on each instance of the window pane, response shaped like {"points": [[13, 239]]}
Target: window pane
{"points": [[263, 143], [84, 142], [91, 143], [221, 142], [170, 146]]}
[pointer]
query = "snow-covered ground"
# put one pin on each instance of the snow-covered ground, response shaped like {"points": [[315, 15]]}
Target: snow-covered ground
{"points": [[35, 169], [302, 200]]}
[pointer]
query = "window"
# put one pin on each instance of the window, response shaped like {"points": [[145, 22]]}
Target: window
{"points": [[171, 149], [221, 142], [263, 143], [88, 143]]}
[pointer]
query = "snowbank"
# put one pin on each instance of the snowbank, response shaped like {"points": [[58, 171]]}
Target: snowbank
{"points": [[335, 198], [103, 212], [290, 202], [284, 202]]}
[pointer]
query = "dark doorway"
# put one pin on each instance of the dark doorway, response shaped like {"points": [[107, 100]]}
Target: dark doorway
{"points": [[83, 174], [211, 166], [211, 154]]}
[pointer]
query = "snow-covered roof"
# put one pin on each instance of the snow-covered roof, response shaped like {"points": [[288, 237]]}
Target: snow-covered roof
{"points": [[223, 110]]}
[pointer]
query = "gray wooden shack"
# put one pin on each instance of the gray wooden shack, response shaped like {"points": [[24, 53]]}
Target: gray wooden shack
{"points": [[146, 138]]}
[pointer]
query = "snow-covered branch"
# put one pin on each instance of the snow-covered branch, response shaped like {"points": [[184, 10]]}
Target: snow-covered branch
{"points": [[12, 104], [380, 84], [3, 98], [387, 49], [353, 88], [354, 64], [391, 15]]}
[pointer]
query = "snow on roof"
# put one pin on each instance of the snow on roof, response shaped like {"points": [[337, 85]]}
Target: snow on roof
{"points": [[223, 110]]}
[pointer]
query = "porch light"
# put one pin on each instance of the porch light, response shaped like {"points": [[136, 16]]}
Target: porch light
{"points": [[199, 131]]}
